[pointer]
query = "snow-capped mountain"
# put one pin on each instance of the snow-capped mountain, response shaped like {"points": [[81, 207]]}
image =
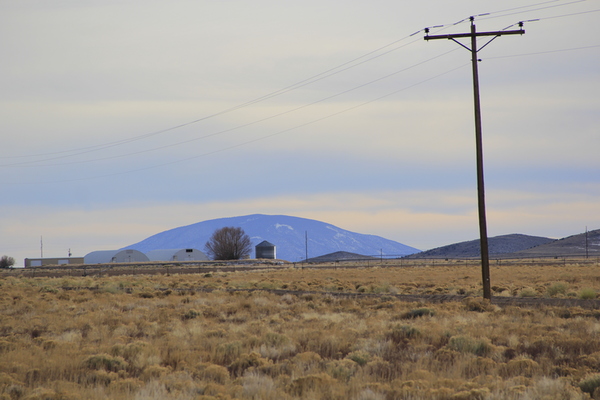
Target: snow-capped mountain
{"points": [[287, 233]]}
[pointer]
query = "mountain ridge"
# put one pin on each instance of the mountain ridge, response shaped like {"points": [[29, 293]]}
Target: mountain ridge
{"points": [[519, 245], [503, 244]]}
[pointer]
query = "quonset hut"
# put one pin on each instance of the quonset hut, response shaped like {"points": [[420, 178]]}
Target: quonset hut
{"points": [[176, 255], [265, 250], [114, 256]]}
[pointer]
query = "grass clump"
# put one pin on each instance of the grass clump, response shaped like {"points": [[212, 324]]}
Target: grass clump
{"points": [[418, 313], [360, 357], [528, 292], [467, 344], [587, 294], [557, 289], [403, 333], [477, 304], [105, 362], [190, 314]]}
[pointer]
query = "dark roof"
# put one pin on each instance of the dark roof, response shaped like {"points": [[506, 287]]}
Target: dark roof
{"points": [[264, 243]]}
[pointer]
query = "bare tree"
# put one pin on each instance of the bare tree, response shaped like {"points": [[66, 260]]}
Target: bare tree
{"points": [[229, 243], [6, 262]]}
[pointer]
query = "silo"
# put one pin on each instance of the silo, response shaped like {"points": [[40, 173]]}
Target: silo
{"points": [[265, 250]]}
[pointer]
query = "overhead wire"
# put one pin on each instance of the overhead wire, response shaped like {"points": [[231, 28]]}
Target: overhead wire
{"points": [[503, 14], [315, 78], [264, 137], [323, 75], [239, 126], [544, 52]]}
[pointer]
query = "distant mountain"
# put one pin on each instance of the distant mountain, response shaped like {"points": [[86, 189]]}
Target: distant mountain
{"points": [[505, 244], [287, 233]]}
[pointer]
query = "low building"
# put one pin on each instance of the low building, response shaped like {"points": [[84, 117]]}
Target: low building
{"points": [[46, 262], [176, 255], [115, 256]]}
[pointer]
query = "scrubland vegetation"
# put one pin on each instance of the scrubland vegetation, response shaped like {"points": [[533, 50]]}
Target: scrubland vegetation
{"points": [[160, 337]]}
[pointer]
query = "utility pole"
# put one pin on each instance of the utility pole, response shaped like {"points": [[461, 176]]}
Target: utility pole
{"points": [[586, 242], [485, 258], [306, 245]]}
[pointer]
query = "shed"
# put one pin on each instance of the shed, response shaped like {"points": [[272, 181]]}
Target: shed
{"points": [[176, 255], [115, 256], [265, 250]]}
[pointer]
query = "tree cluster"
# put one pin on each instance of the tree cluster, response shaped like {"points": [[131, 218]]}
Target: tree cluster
{"points": [[6, 262], [229, 243]]}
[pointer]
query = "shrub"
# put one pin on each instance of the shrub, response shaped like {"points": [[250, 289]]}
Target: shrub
{"points": [[190, 314], [477, 304], [360, 357], [521, 367], [106, 362], [558, 288], [467, 344], [226, 353], [528, 292], [302, 386], [587, 294], [214, 373], [246, 361], [590, 383], [401, 333], [342, 370], [417, 313], [257, 386]]}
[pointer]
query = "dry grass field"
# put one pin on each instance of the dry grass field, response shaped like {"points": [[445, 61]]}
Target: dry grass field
{"points": [[155, 337]]}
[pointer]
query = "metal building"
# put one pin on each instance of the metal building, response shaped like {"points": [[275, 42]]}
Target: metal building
{"points": [[176, 255], [115, 256], [44, 262], [265, 250]]}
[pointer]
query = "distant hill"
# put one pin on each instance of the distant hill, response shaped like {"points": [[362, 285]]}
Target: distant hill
{"points": [[339, 256], [285, 232], [569, 247], [498, 245]]}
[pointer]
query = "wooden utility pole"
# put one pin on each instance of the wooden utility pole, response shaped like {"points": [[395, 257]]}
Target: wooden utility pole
{"points": [[485, 258]]}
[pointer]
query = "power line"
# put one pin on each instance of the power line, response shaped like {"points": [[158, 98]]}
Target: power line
{"points": [[257, 139], [492, 14], [338, 69], [545, 52], [544, 8], [315, 78], [29, 164]]}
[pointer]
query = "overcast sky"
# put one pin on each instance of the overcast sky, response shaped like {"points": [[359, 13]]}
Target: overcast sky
{"points": [[121, 119]]}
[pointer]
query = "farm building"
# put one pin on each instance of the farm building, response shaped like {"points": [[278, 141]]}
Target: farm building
{"points": [[176, 255], [45, 262], [265, 250], [114, 256]]}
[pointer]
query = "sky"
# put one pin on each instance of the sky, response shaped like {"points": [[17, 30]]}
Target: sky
{"points": [[122, 119]]}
